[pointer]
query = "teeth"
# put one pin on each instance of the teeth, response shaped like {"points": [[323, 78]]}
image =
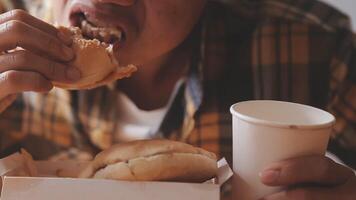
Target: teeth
{"points": [[104, 34]]}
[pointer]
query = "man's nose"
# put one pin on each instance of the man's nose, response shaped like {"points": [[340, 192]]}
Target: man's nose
{"points": [[118, 2]]}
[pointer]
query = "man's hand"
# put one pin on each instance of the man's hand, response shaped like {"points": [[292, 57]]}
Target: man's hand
{"points": [[310, 178], [33, 53]]}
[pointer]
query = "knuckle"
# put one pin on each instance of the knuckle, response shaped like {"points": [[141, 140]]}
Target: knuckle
{"points": [[15, 27], [14, 30], [19, 57], [11, 78], [18, 14], [12, 58]]}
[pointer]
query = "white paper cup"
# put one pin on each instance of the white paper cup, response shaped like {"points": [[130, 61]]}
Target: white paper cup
{"points": [[270, 131]]}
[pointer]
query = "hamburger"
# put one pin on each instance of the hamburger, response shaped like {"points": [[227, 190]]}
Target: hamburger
{"points": [[94, 58], [153, 160]]}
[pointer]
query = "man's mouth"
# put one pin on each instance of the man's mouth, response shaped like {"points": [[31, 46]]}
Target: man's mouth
{"points": [[107, 34]]}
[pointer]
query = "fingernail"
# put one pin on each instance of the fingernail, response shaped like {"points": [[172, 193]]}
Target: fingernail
{"points": [[269, 176], [67, 39], [73, 74], [68, 52]]}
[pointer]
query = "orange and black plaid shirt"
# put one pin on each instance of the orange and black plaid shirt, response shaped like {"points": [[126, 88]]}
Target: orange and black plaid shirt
{"points": [[292, 50]]}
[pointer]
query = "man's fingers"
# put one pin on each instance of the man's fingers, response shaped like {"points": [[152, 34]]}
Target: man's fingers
{"points": [[18, 34], [27, 61], [23, 16], [313, 169], [13, 82]]}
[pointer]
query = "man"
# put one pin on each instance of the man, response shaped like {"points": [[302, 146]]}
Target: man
{"points": [[195, 59]]}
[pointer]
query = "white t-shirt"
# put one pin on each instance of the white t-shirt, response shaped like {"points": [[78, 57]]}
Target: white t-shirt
{"points": [[134, 123]]}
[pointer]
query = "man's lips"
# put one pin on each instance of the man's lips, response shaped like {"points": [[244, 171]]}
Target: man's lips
{"points": [[85, 18]]}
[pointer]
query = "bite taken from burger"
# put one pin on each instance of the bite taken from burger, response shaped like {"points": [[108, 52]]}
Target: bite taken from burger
{"points": [[153, 160], [94, 56]]}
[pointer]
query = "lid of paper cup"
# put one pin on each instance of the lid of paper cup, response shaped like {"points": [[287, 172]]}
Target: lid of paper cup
{"points": [[282, 114]]}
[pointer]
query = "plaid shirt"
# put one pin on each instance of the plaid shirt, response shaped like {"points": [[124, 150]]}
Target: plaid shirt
{"points": [[292, 50]]}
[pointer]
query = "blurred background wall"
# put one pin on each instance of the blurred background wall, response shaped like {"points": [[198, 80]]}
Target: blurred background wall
{"points": [[347, 6]]}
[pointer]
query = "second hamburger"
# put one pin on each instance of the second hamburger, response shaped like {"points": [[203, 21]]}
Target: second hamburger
{"points": [[153, 160]]}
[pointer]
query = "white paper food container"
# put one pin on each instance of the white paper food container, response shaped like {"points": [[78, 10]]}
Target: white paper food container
{"points": [[48, 186]]}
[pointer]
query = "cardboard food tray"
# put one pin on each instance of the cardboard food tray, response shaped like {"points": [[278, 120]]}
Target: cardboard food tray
{"points": [[47, 185]]}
